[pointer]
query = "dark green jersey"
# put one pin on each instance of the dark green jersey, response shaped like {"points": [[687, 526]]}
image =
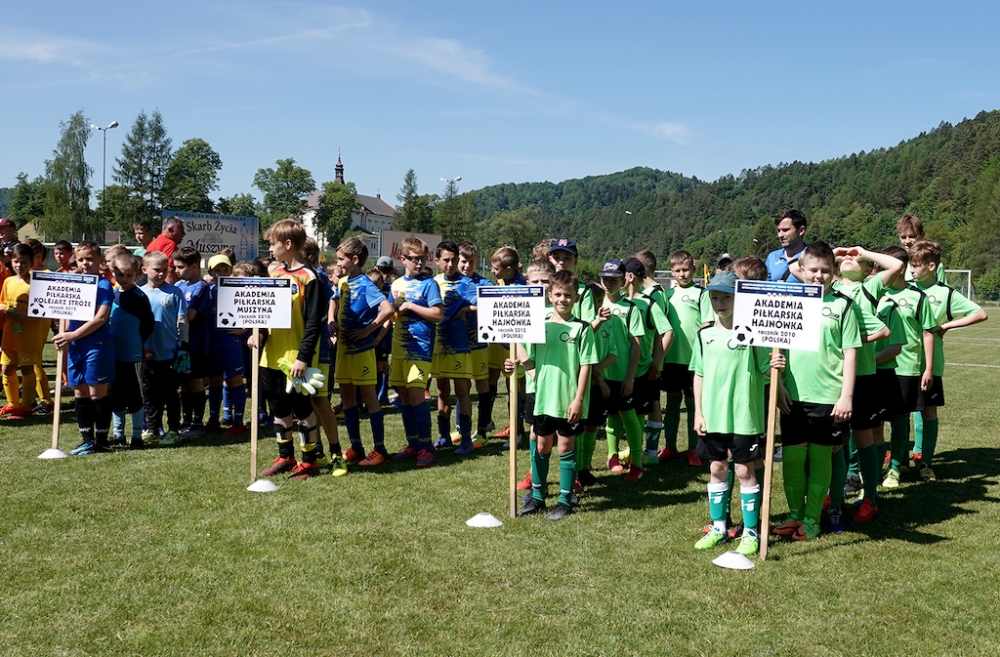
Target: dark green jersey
{"points": [[889, 313], [655, 324], [732, 393], [818, 376], [568, 346], [865, 296]]}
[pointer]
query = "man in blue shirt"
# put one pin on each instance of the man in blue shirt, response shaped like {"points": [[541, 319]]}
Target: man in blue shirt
{"points": [[791, 230]]}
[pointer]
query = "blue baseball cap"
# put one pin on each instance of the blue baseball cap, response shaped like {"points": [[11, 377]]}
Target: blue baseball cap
{"points": [[724, 281], [612, 268], [563, 244]]}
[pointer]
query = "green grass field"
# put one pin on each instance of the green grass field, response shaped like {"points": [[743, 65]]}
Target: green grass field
{"points": [[164, 552]]}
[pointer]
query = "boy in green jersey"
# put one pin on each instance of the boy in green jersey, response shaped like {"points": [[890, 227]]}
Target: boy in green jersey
{"points": [[625, 324], [910, 230], [731, 377], [655, 293], [817, 400], [951, 310], [688, 309], [595, 415], [562, 383], [913, 364]]}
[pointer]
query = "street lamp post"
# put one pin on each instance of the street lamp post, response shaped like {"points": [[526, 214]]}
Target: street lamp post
{"points": [[104, 168], [450, 199]]}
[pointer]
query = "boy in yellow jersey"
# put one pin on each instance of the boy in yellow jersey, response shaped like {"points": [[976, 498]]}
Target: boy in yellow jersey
{"points": [[288, 353], [688, 309], [44, 396], [23, 338], [468, 260], [418, 304]]}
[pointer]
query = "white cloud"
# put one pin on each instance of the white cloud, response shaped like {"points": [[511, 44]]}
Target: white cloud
{"points": [[19, 44], [678, 132]]}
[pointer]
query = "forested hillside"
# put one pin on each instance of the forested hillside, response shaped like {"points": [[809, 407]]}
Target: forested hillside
{"points": [[949, 176]]}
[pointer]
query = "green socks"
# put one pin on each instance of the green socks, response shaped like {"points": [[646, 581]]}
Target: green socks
{"points": [[871, 470], [567, 475], [586, 443], [614, 430], [750, 501], [793, 469], [689, 409], [539, 473], [853, 467], [930, 441], [671, 420], [899, 440], [818, 483], [633, 432], [838, 478], [717, 496]]}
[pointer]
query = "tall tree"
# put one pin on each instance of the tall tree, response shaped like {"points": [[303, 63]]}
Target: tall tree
{"points": [[120, 209], [454, 215], [285, 189], [146, 154], [336, 205], [192, 175], [407, 213], [67, 180], [516, 228], [241, 205], [27, 201]]}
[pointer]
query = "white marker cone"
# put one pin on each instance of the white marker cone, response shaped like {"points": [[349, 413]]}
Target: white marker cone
{"points": [[262, 486], [52, 453], [733, 561], [483, 520]]}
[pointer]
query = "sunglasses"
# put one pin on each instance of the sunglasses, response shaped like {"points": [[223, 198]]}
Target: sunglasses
{"points": [[415, 258]]}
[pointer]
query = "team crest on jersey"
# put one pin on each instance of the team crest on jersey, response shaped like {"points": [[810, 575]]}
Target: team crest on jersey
{"points": [[295, 288], [166, 301], [829, 312]]}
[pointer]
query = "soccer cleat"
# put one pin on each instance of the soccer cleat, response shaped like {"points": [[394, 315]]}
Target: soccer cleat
{"points": [[777, 455], [425, 458], [624, 454], [408, 452], [614, 465], [926, 473], [136, 444], [891, 479], [93, 448], [442, 442], [479, 440], [192, 432], [337, 466], [694, 460], [353, 456], [531, 507], [525, 484], [853, 484], [464, 449], [558, 512], [710, 540], [16, 412], [170, 439], [867, 513], [634, 474], [503, 433], [649, 457], [667, 453], [339, 409], [280, 465], [304, 471], [806, 532], [577, 487], [585, 477], [79, 449], [117, 441], [375, 458], [456, 437], [787, 528], [735, 531], [150, 438], [526, 497], [835, 520], [235, 430], [42, 408], [213, 425], [7, 409], [749, 545]]}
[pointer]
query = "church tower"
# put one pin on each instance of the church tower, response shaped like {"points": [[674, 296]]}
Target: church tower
{"points": [[339, 170]]}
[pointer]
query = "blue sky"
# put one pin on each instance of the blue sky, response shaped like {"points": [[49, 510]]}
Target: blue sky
{"points": [[495, 92]]}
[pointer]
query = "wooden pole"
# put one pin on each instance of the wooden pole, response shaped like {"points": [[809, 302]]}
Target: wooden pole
{"points": [[57, 401], [513, 436], [765, 506], [254, 423]]}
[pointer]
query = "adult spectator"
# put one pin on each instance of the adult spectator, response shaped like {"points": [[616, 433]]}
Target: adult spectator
{"points": [[167, 242], [8, 238], [143, 232], [791, 230]]}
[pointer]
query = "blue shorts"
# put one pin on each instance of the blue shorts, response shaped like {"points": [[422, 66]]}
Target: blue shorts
{"points": [[92, 364], [226, 358]]}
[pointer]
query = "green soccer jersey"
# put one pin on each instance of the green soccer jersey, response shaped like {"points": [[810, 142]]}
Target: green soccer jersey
{"points": [[940, 274], [915, 313], [865, 296], [656, 293], [732, 392], [655, 324], [946, 304], [584, 307], [889, 313], [568, 346], [818, 376], [624, 324], [688, 308]]}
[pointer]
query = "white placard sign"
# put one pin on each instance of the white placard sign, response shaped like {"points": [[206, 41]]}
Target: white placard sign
{"points": [[511, 313], [62, 296], [252, 302], [783, 315]]}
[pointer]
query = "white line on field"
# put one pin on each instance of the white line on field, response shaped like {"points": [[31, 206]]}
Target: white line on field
{"points": [[995, 367]]}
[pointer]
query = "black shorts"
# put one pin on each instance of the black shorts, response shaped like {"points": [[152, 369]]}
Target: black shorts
{"points": [[283, 404], [909, 389], [546, 425], [199, 367], [597, 409], [126, 391], [811, 423], [932, 397], [646, 391], [890, 394], [718, 446], [677, 378], [866, 408], [381, 355], [616, 402], [529, 408]]}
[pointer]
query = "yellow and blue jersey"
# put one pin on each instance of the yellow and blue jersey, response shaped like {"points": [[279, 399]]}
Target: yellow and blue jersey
{"points": [[358, 308], [413, 337], [309, 311], [452, 331]]}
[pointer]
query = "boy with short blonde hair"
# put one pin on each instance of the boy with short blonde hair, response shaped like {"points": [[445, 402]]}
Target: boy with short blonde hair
{"points": [[23, 338]]}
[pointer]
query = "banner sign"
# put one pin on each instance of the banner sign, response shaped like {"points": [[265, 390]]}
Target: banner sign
{"points": [[211, 233], [253, 302], [62, 296], [783, 315], [511, 313], [392, 245]]}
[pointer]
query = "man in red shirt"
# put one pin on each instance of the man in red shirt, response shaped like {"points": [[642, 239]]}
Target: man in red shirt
{"points": [[168, 241]]}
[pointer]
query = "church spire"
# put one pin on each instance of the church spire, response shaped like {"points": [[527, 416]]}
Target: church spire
{"points": [[339, 169]]}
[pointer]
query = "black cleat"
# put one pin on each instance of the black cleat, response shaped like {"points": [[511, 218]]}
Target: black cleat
{"points": [[558, 512], [531, 507]]}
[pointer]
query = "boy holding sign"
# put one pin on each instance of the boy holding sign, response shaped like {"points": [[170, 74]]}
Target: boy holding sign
{"points": [[24, 338]]}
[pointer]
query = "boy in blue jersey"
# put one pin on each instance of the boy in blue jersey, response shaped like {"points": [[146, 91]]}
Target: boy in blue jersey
{"points": [[131, 324], [325, 414], [226, 365], [468, 259], [418, 305], [452, 360], [361, 312], [187, 263], [165, 350], [505, 264], [91, 358]]}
